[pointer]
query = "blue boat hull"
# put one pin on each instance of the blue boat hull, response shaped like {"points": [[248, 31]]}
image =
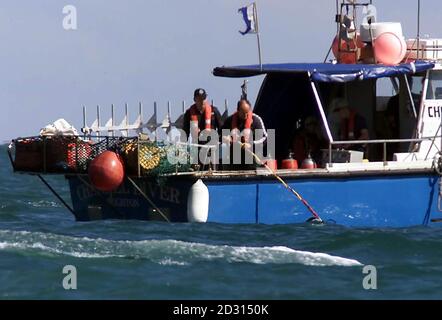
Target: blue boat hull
{"points": [[370, 201]]}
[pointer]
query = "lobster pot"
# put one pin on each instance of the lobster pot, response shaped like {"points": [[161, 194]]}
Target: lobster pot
{"points": [[154, 158], [57, 154], [60, 154], [29, 155], [129, 155]]}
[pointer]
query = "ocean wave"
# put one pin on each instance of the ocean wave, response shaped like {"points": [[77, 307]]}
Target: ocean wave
{"points": [[164, 252]]}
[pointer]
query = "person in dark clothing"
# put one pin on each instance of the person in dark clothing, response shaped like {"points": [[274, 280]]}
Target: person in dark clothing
{"points": [[309, 141], [201, 117], [246, 130], [352, 126]]}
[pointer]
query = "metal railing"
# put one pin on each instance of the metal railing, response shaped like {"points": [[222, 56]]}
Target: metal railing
{"points": [[71, 154], [384, 142], [125, 126]]}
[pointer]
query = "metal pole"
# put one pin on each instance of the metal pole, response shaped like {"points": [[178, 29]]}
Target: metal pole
{"points": [[56, 194], [330, 155], [169, 121], [84, 121], [169, 117], [328, 53], [154, 206], [321, 110], [395, 85], [102, 196], [140, 111], [127, 119], [113, 122], [410, 96], [337, 22], [255, 13], [44, 155], [155, 125], [138, 158], [98, 120], [419, 126], [418, 26]]}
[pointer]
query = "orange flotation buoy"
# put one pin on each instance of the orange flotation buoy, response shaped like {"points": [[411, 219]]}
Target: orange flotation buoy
{"points": [[389, 48], [309, 163], [345, 56], [272, 164], [106, 171], [290, 162]]}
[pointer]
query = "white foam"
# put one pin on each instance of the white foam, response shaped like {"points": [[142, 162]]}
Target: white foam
{"points": [[164, 252], [170, 262], [43, 204]]}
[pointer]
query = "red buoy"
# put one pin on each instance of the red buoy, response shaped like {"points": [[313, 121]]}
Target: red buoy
{"points": [[106, 171], [272, 164], [389, 48], [290, 164], [309, 163], [345, 56]]}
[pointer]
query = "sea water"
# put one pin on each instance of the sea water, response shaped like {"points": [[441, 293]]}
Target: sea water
{"points": [[158, 260]]}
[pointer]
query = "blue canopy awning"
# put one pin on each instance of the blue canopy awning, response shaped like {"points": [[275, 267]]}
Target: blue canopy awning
{"points": [[326, 72]]}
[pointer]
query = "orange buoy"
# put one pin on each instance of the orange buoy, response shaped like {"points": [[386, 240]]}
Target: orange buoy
{"points": [[106, 171], [272, 164], [389, 48], [309, 163], [290, 162], [344, 56]]}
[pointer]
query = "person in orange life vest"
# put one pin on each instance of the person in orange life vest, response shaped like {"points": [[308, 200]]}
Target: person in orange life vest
{"points": [[243, 126], [309, 141], [200, 116], [352, 126]]}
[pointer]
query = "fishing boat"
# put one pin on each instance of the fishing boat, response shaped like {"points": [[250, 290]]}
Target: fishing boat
{"points": [[396, 184]]}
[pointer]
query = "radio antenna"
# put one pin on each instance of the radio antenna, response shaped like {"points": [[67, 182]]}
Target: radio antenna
{"points": [[418, 26]]}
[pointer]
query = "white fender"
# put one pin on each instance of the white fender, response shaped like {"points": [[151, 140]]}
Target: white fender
{"points": [[198, 202]]}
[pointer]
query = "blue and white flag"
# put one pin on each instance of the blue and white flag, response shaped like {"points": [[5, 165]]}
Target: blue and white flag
{"points": [[248, 14]]}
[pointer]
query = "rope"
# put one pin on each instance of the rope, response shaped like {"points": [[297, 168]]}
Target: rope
{"points": [[303, 201], [437, 165], [103, 198], [148, 199], [56, 194]]}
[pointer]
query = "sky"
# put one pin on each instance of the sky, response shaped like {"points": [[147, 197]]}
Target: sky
{"points": [[131, 51]]}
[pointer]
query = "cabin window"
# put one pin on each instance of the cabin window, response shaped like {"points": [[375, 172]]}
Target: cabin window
{"points": [[395, 116], [359, 95], [285, 103], [434, 90]]}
